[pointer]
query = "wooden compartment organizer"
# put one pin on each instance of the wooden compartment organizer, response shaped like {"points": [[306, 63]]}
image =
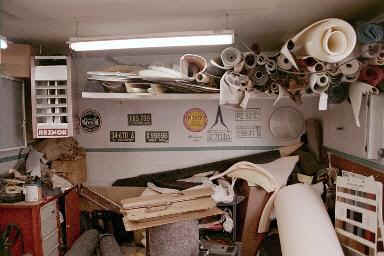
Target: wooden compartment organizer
{"points": [[51, 97]]}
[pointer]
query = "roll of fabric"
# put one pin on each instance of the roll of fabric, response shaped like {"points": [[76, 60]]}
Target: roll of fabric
{"points": [[304, 224], [283, 63], [329, 40], [202, 78], [261, 59], [260, 77], [249, 60], [230, 57], [350, 68], [372, 75], [85, 245], [191, 64], [271, 66], [337, 93], [318, 83], [370, 51], [350, 78], [369, 33], [318, 67]]}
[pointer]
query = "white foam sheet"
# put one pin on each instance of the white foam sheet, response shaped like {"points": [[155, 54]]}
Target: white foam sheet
{"points": [[305, 228]]}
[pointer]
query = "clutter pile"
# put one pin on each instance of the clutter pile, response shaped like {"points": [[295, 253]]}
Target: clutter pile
{"points": [[51, 164], [329, 58]]}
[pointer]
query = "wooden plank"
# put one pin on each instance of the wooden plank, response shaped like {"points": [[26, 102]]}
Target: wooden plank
{"points": [[72, 217], [165, 199], [130, 225], [143, 214]]}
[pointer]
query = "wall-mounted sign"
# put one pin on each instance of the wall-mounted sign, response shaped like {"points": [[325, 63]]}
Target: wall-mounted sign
{"points": [[219, 131], [140, 119], [195, 120], [52, 132], [90, 120], [157, 136], [248, 131], [122, 136], [250, 114]]}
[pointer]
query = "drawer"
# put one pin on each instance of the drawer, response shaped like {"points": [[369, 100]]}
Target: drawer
{"points": [[48, 217], [50, 242]]}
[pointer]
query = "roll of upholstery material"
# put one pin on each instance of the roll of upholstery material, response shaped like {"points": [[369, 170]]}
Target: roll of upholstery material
{"points": [[261, 59], [249, 60], [372, 75], [239, 67], [215, 68], [378, 61], [329, 40], [202, 78], [85, 245], [304, 224], [318, 83], [369, 33], [191, 64], [260, 77], [356, 92], [271, 66], [370, 50], [350, 78], [283, 63], [338, 93], [350, 68], [109, 246], [232, 89], [230, 57], [318, 67]]}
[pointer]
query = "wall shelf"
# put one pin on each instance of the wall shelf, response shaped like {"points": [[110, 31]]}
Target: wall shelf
{"points": [[165, 96]]}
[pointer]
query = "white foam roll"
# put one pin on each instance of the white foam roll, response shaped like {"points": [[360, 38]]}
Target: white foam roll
{"points": [[191, 64], [378, 61], [350, 68], [318, 83], [370, 50], [283, 62], [202, 78], [350, 78], [318, 67], [249, 60], [271, 66], [261, 59], [231, 56], [305, 228], [260, 78], [329, 40]]}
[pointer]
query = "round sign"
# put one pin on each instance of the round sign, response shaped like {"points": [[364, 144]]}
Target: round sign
{"points": [[90, 120], [195, 120]]}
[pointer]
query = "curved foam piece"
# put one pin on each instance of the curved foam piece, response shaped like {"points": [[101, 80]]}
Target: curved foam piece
{"points": [[231, 56], [304, 224], [269, 176], [329, 40], [356, 92], [191, 65], [214, 63]]}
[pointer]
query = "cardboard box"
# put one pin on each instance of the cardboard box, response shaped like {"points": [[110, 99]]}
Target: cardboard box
{"points": [[75, 171], [16, 60]]}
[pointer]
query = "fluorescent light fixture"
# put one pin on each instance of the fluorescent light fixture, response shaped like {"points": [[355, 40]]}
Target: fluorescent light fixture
{"points": [[203, 38], [3, 42]]}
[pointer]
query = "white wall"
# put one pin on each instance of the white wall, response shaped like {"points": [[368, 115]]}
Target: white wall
{"points": [[110, 161]]}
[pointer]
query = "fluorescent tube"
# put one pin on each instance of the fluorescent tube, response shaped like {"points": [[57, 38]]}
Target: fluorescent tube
{"points": [[195, 39], [3, 42]]}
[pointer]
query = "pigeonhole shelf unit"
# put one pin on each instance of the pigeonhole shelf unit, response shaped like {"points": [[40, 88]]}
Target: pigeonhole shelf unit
{"points": [[51, 97]]}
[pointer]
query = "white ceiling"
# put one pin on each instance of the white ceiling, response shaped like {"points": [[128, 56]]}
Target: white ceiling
{"points": [[269, 22]]}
